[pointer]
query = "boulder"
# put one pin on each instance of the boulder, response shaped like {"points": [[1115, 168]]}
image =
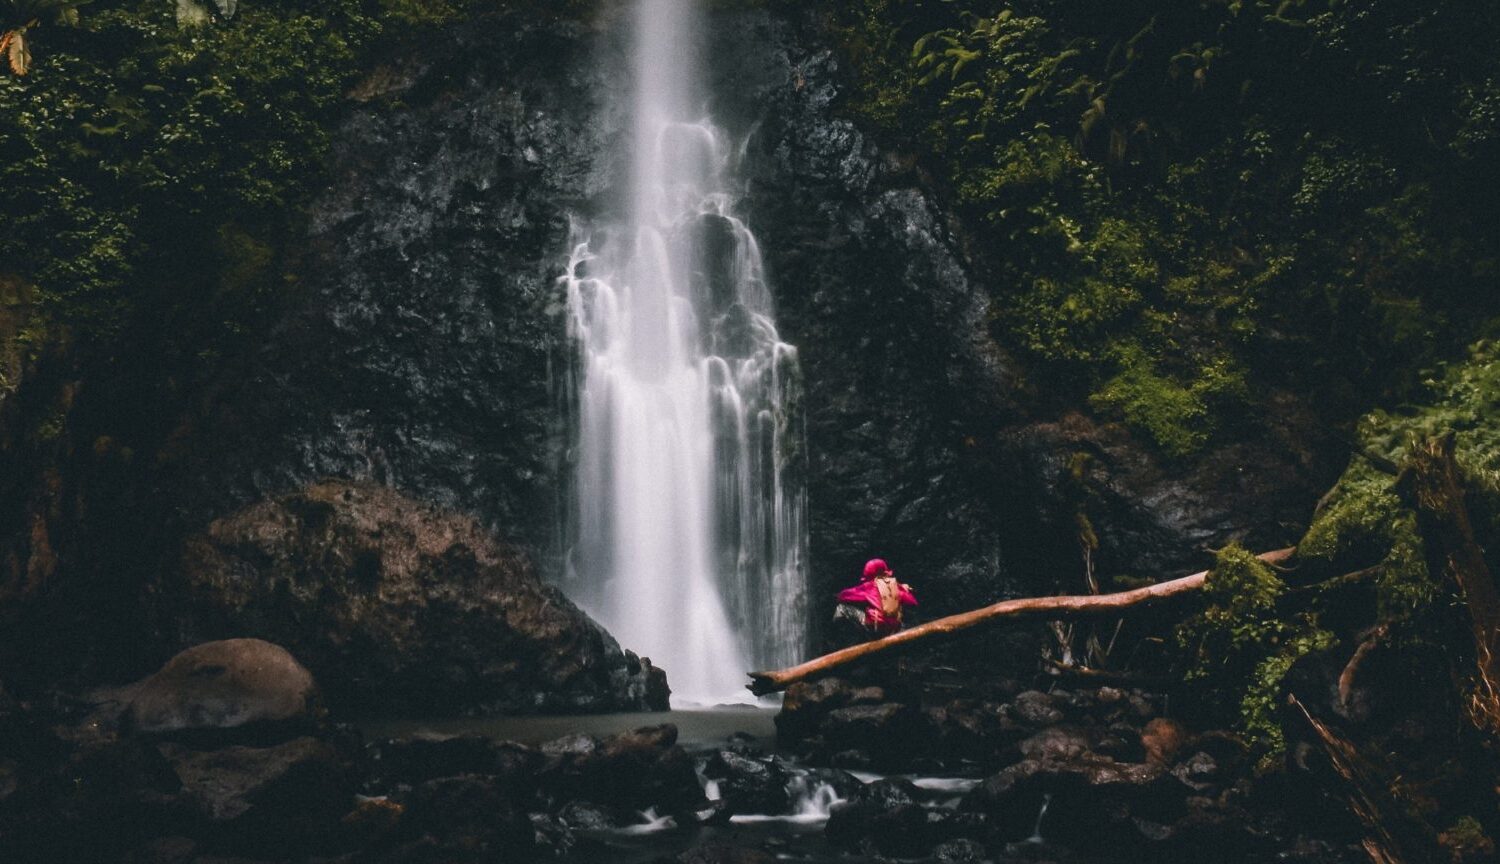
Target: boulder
{"points": [[806, 703], [1056, 744], [748, 785], [959, 851], [637, 770], [719, 853], [1200, 772], [1162, 739], [586, 816], [223, 685], [468, 814], [399, 606], [411, 761], [890, 734], [1108, 806], [886, 818], [1036, 709], [1011, 799], [975, 731], [288, 798]]}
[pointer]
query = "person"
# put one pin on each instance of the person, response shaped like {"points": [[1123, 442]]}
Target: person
{"points": [[878, 598]]}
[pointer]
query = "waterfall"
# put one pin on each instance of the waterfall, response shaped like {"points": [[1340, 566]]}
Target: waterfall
{"points": [[687, 537]]}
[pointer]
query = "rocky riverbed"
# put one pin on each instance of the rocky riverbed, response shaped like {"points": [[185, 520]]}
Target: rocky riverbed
{"points": [[228, 754]]}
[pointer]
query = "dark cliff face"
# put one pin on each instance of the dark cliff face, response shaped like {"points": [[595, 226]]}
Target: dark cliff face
{"points": [[901, 375], [427, 347], [424, 355], [432, 352]]}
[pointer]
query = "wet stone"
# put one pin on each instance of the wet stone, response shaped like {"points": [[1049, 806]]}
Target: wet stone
{"points": [[961, 851], [749, 785], [1035, 708]]}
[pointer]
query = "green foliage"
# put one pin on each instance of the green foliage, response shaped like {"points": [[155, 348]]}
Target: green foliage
{"points": [[1240, 646], [1466, 840], [1363, 521], [1254, 195], [157, 173], [1179, 417]]}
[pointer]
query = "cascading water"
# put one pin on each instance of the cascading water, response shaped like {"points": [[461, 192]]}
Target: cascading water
{"points": [[687, 536]]}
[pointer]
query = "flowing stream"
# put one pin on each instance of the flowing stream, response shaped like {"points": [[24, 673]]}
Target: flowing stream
{"points": [[686, 534]]}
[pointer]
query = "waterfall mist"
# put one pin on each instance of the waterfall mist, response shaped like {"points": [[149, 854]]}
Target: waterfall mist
{"points": [[687, 534]]}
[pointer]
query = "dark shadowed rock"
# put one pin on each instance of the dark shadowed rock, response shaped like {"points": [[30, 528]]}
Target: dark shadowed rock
{"points": [[1035, 708], [1011, 799], [806, 703], [411, 761], [885, 818], [468, 814], [223, 785], [397, 605], [892, 734], [748, 785], [725, 854], [1200, 772], [959, 852], [223, 685], [587, 816], [289, 796], [640, 769], [1055, 744]]}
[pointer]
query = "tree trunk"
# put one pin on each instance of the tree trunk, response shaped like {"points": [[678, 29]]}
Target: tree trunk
{"points": [[1389, 837], [1431, 484], [1068, 606]]}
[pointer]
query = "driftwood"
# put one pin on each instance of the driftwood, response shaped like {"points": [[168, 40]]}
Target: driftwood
{"points": [[1047, 608]]}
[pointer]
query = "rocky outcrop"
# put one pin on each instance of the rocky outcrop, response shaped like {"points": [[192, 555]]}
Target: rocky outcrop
{"points": [[222, 685], [1098, 773], [397, 606]]}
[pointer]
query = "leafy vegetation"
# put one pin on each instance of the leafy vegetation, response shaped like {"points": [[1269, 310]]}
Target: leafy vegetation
{"points": [[1240, 646], [1190, 204], [157, 160]]}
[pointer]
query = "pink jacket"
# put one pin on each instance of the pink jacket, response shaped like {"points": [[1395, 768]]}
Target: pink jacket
{"points": [[866, 592]]}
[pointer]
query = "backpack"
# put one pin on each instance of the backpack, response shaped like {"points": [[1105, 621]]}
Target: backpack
{"points": [[890, 597]]}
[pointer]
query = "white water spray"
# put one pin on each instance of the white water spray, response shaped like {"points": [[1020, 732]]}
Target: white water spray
{"points": [[688, 539]]}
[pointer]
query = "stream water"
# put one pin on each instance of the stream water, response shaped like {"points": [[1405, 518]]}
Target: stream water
{"points": [[795, 833]]}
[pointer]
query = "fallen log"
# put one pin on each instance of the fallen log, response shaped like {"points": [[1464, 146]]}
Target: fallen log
{"points": [[1060, 607], [1389, 837]]}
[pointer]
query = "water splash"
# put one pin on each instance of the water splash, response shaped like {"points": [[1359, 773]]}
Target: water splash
{"points": [[687, 535], [812, 802], [1036, 830]]}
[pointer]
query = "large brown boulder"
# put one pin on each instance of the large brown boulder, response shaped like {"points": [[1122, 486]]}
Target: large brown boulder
{"points": [[223, 685], [398, 606]]}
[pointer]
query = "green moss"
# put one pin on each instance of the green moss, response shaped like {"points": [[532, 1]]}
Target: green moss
{"points": [[1240, 647], [159, 174], [1466, 841], [1363, 522], [1179, 417]]}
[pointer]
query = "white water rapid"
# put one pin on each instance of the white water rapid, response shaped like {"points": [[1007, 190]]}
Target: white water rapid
{"points": [[686, 536]]}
